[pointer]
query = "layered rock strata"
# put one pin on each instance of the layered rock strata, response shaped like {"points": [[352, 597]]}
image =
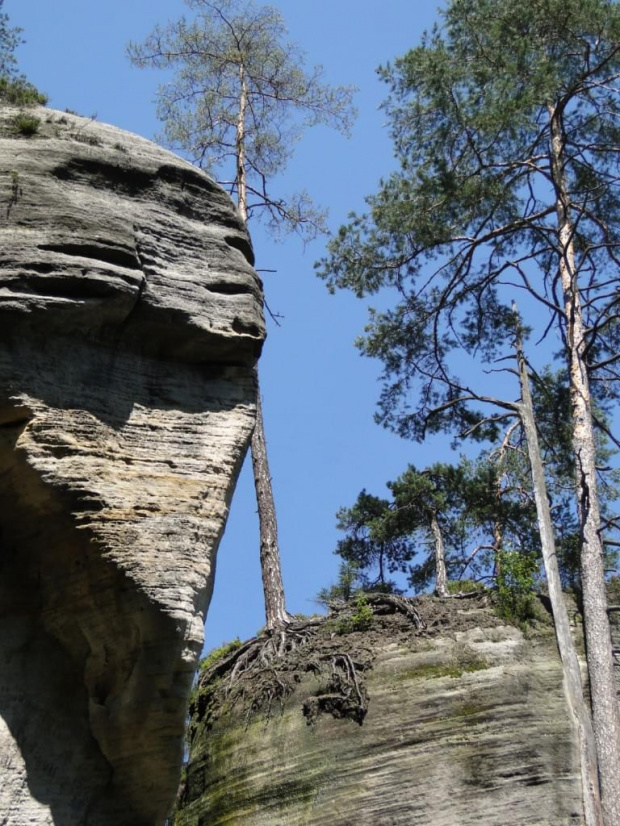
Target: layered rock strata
{"points": [[466, 723], [130, 324]]}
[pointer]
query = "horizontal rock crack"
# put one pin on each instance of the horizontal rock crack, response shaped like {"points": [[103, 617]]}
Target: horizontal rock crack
{"points": [[109, 255]]}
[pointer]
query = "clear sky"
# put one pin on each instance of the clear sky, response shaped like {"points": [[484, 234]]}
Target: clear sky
{"points": [[319, 394]]}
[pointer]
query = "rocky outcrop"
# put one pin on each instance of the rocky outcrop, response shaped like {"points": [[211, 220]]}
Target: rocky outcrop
{"points": [[130, 324], [464, 722]]}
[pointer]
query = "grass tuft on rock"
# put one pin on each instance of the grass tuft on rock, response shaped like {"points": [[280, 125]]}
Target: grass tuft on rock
{"points": [[26, 125]]}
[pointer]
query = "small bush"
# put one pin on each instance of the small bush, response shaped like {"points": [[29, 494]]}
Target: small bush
{"points": [[345, 588], [217, 653], [26, 125], [20, 92], [360, 620], [515, 582]]}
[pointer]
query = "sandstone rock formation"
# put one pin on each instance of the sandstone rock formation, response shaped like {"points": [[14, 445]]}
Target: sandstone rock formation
{"points": [[466, 724], [130, 323]]}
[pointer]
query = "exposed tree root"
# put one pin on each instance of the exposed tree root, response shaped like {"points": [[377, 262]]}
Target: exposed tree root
{"points": [[391, 603], [261, 674], [343, 695]]}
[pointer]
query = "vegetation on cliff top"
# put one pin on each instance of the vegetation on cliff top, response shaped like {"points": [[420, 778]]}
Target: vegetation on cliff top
{"points": [[14, 88], [505, 126]]}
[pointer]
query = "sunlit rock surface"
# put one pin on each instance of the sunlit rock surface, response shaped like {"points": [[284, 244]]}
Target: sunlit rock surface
{"points": [[130, 324], [467, 725]]}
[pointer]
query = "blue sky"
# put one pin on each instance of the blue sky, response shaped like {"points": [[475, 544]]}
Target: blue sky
{"points": [[319, 394]]}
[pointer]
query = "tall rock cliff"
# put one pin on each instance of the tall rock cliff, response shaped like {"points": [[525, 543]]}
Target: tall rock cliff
{"points": [[130, 324], [457, 720]]}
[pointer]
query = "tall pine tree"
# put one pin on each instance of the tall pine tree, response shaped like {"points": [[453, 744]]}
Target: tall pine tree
{"points": [[506, 125], [239, 100]]}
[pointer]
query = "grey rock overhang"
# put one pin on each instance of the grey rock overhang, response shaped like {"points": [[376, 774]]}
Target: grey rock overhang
{"points": [[121, 239], [130, 323]]}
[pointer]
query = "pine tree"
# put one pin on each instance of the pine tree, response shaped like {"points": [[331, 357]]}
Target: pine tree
{"points": [[506, 125], [239, 100]]}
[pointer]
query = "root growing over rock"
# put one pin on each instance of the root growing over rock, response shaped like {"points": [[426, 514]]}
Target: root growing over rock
{"points": [[261, 674]]}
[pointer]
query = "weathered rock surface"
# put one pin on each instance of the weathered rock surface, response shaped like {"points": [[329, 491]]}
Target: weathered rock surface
{"points": [[467, 724], [130, 324]]}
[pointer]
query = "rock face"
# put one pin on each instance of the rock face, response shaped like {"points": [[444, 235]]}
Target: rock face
{"points": [[130, 324], [467, 724]]}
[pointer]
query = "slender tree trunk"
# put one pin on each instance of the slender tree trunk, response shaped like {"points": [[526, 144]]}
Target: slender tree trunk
{"points": [[381, 565], [441, 578], [275, 610], [242, 190], [606, 716], [572, 674], [498, 528]]}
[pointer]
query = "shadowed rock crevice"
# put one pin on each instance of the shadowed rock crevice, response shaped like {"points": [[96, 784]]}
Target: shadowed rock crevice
{"points": [[108, 255], [59, 664]]}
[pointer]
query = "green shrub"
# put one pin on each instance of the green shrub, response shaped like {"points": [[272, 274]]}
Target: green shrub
{"points": [[360, 620], [345, 588], [26, 125], [464, 586], [217, 653], [20, 92], [515, 582]]}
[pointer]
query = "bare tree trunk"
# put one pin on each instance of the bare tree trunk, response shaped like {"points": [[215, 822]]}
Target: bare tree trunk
{"points": [[275, 609], [498, 532], [242, 190], [593, 815], [441, 578], [606, 715]]}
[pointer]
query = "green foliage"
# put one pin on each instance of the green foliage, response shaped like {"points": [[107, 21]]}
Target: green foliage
{"points": [[346, 586], [480, 506], [467, 218], [10, 38], [21, 93], [464, 586], [384, 536], [26, 125], [360, 620], [516, 576], [231, 53], [370, 547], [14, 88], [219, 653], [470, 503]]}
